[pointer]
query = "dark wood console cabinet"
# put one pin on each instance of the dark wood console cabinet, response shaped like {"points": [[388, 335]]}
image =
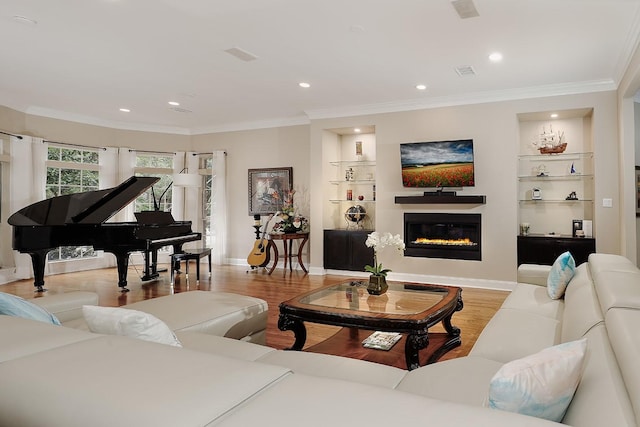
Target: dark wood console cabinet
{"points": [[345, 250], [544, 249]]}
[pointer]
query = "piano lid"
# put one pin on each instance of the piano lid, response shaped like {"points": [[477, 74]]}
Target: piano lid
{"points": [[89, 207]]}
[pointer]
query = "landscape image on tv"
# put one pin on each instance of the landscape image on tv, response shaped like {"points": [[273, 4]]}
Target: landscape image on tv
{"points": [[437, 164]]}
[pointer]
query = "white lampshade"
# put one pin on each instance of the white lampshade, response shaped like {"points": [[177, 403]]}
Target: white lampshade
{"points": [[187, 180]]}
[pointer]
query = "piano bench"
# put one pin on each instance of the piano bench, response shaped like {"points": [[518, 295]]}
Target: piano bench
{"points": [[188, 255]]}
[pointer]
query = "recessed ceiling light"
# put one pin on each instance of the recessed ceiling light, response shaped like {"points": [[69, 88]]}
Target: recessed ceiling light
{"points": [[304, 85], [174, 103], [554, 115], [357, 130], [125, 110], [421, 87], [495, 57]]}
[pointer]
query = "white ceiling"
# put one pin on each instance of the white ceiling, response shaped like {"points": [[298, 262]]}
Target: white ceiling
{"points": [[85, 59]]}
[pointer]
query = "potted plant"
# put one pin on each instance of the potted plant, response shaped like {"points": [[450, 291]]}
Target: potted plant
{"points": [[378, 278]]}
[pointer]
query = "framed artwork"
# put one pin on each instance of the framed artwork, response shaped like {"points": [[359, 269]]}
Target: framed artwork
{"points": [[637, 190], [268, 188]]}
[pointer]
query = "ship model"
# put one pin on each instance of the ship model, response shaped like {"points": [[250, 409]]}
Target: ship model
{"points": [[551, 142]]}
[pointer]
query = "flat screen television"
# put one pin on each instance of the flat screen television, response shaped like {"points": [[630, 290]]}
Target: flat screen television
{"points": [[437, 164]]}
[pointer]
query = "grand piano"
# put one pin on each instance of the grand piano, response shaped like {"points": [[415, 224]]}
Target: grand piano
{"points": [[80, 220]]}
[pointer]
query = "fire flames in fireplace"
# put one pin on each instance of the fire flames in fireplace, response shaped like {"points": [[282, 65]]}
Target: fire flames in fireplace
{"points": [[444, 242], [443, 235]]}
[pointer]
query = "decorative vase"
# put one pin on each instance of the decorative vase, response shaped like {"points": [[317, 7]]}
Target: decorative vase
{"points": [[377, 285], [289, 228]]}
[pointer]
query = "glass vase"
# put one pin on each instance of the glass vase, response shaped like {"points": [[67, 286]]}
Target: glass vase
{"points": [[377, 285]]}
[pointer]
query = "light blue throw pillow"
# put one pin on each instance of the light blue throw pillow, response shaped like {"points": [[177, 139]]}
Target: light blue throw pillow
{"points": [[541, 385], [12, 305], [561, 273]]}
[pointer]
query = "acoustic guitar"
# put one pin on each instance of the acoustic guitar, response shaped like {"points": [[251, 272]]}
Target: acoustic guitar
{"points": [[259, 255]]}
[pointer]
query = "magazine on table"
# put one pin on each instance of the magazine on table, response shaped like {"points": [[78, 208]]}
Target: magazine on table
{"points": [[381, 340]]}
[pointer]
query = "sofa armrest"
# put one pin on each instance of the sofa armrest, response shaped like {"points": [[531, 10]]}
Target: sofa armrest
{"points": [[66, 306], [534, 274]]}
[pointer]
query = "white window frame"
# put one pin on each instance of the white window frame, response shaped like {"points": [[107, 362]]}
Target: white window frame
{"points": [[60, 164]]}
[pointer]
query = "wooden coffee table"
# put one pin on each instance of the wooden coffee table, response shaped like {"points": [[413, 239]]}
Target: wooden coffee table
{"points": [[408, 308]]}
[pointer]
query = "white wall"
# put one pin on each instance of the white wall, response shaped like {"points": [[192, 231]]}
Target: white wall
{"points": [[493, 126], [264, 148]]}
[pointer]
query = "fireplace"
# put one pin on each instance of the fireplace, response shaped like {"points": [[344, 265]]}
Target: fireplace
{"points": [[443, 235]]}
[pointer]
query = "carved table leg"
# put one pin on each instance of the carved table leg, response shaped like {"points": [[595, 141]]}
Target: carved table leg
{"points": [[415, 343], [286, 323], [446, 322]]}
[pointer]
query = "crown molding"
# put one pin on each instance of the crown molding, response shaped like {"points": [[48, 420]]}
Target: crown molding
{"points": [[337, 112], [89, 120], [259, 124], [465, 99]]}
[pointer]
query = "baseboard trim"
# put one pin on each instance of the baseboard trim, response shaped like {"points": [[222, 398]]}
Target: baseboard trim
{"points": [[500, 285]]}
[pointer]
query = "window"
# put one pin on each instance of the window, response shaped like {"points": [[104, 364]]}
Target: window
{"points": [[69, 171], [207, 201], [160, 166]]}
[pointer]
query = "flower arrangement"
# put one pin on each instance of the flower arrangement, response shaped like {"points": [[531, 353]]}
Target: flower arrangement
{"points": [[290, 221], [377, 241]]}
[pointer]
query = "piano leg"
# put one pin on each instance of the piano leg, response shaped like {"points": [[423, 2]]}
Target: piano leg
{"points": [[122, 260], [150, 265], [38, 260]]}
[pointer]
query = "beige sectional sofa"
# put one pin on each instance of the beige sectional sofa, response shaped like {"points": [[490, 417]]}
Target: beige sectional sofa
{"points": [[62, 376]]}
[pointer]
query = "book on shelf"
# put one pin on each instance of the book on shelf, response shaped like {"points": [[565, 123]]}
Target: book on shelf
{"points": [[381, 340]]}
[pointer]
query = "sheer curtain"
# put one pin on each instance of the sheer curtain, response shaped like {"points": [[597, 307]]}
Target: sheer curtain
{"points": [[126, 169], [108, 161], [27, 185], [218, 218]]}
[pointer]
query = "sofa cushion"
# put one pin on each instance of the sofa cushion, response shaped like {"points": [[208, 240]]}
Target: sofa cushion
{"points": [[117, 381], [323, 365], [535, 274], [512, 334], [541, 385], [21, 337], [12, 305], [560, 275], [463, 380], [223, 346], [618, 289], [329, 366], [217, 313], [66, 306], [319, 402], [622, 325], [128, 323], [601, 398], [581, 308], [534, 299]]}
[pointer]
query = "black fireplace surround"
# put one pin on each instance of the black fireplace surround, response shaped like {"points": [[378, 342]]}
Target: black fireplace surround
{"points": [[443, 235]]}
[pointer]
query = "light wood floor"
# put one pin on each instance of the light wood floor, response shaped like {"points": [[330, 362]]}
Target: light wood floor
{"points": [[479, 304]]}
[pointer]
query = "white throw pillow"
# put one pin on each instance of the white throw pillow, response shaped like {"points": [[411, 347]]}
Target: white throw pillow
{"points": [[562, 271], [541, 385], [130, 323]]}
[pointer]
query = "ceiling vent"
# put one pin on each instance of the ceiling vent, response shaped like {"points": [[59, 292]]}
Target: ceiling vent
{"points": [[465, 8], [465, 70], [180, 110], [241, 54]]}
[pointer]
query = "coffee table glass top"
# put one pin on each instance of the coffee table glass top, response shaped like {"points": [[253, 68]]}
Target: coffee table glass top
{"points": [[400, 299]]}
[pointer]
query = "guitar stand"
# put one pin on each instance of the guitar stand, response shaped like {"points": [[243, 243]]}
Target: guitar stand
{"points": [[254, 268], [257, 226]]}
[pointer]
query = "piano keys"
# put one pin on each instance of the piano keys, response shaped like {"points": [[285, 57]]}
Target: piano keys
{"points": [[80, 220]]}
